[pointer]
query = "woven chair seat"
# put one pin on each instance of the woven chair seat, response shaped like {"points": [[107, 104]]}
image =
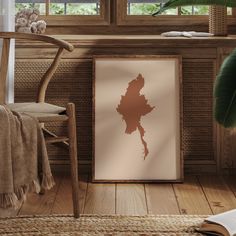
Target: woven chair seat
{"points": [[33, 107], [44, 112]]}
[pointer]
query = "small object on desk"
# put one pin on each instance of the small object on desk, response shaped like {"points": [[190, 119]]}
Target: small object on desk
{"points": [[188, 34], [223, 224]]}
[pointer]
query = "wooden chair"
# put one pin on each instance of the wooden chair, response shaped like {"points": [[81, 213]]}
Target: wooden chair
{"points": [[59, 113]]}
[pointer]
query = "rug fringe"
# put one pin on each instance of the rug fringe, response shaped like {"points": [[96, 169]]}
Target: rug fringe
{"points": [[167, 225]]}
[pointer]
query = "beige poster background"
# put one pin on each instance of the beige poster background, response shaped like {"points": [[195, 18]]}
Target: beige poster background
{"points": [[119, 156]]}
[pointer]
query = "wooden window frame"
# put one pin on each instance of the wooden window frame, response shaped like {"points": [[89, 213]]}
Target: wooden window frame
{"points": [[169, 20], [74, 20]]}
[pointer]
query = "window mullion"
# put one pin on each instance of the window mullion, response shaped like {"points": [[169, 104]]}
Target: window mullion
{"points": [[234, 12], [179, 11], [47, 2]]}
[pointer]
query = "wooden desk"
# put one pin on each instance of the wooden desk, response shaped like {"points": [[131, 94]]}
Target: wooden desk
{"points": [[206, 147]]}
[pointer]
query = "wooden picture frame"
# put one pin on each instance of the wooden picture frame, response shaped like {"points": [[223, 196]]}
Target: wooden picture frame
{"points": [[137, 118]]}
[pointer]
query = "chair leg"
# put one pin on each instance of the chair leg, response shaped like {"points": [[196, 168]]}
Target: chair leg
{"points": [[70, 110]]}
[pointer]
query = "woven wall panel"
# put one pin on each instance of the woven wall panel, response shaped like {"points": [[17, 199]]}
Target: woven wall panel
{"points": [[197, 137], [73, 82]]}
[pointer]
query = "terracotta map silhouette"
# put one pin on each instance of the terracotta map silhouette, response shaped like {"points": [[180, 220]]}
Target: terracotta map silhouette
{"points": [[132, 107]]}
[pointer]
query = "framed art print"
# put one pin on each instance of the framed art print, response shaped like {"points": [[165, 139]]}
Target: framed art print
{"points": [[137, 119]]}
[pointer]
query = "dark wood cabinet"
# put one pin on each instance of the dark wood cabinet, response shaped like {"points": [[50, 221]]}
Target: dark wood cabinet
{"points": [[206, 147]]}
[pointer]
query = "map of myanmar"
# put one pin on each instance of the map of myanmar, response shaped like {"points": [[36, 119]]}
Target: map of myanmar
{"points": [[132, 107]]}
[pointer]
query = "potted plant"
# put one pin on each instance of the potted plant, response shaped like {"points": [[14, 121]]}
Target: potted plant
{"points": [[225, 93], [217, 13], [225, 83]]}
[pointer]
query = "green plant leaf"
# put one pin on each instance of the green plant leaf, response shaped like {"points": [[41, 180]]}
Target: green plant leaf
{"points": [[177, 3], [225, 93]]}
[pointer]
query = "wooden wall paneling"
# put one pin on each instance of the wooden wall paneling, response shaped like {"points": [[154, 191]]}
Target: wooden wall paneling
{"points": [[100, 40], [201, 136], [126, 29], [202, 167], [87, 53], [198, 138], [77, 87]]}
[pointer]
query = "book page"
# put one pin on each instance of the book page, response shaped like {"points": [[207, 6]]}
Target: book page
{"points": [[226, 219]]}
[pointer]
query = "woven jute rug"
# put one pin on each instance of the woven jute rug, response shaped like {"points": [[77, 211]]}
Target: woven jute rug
{"points": [[102, 225]]}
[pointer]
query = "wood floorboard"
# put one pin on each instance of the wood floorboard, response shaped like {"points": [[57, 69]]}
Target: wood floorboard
{"points": [[40, 204], [8, 212], [230, 180], [130, 199], [161, 199], [100, 199], [190, 197], [218, 193], [63, 202], [197, 195]]}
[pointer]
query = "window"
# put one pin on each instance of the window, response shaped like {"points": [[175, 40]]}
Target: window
{"points": [[40, 5], [147, 7], [133, 11], [60, 13], [69, 12], [74, 7]]}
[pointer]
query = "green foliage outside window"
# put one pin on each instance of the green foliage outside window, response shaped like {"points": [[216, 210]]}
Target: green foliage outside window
{"points": [[93, 9], [147, 9], [39, 6], [150, 8], [74, 9], [194, 10], [62, 9]]}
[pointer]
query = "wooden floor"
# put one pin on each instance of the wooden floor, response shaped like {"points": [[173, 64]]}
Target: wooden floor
{"points": [[197, 195]]}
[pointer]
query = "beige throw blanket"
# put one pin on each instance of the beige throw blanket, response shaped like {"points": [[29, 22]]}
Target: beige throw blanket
{"points": [[24, 164]]}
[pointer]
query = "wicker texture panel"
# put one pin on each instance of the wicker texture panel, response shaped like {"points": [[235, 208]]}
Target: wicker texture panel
{"points": [[218, 20], [73, 82], [197, 139]]}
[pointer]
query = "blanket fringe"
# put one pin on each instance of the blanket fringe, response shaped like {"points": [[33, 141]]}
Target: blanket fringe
{"points": [[8, 200], [47, 182], [13, 200]]}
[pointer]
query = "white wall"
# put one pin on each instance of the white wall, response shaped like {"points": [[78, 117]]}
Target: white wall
{"points": [[7, 23]]}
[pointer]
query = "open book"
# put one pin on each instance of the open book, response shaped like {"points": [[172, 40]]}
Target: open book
{"points": [[223, 224]]}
